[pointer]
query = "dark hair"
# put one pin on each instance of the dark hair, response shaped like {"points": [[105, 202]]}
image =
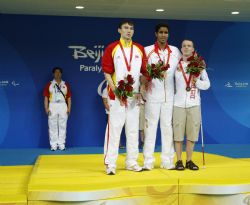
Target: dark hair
{"points": [[57, 68], [160, 25], [129, 22]]}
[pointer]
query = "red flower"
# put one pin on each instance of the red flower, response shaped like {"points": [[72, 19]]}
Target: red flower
{"points": [[128, 88], [120, 87], [164, 68], [121, 82], [196, 74], [193, 64], [191, 58], [196, 64], [155, 72], [130, 79], [125, 89]]}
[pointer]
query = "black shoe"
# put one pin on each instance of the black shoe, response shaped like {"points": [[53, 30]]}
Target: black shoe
{"points": [[179, 165], [191, 165]]}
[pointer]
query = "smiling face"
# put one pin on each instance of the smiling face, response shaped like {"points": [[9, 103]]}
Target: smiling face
{"points": [[162, 35], [187, 48], [126, 30]]}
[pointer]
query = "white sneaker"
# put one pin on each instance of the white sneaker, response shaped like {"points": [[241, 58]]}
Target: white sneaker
{"points": [[148, 167], [135, 168], [167, 166], [110, 171], [62, 147], [53, 148]]}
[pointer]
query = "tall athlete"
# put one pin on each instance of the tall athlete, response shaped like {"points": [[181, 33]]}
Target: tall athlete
{"points": [[121, 58], [159, 100]]}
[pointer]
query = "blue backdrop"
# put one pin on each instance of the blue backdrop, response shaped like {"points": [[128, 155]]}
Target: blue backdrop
{"points": [[31, 45]]}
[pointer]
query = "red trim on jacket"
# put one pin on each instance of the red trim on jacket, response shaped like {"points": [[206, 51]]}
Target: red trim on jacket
{"points": [[69, 94], [46, 90], [107, 58]]}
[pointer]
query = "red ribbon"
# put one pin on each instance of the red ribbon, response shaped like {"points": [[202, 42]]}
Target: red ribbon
{"points": [[185, 77], [157, 52], [125, 58]]}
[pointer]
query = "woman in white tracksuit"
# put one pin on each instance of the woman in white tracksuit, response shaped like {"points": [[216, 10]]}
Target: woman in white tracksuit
{"points": [[159, 101]]}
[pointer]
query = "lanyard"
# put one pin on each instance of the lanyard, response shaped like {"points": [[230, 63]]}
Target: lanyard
{"points": [[188, 88], [125, 58], [169, 52]]}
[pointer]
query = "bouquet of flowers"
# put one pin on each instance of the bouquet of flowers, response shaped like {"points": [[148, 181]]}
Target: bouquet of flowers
{"points": [[196, 65], [156, 71], [125, 89]]}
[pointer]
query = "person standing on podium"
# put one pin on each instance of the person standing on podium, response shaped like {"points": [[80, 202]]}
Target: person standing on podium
{"points": [[160, 99], [190, 78], [123, 60]]}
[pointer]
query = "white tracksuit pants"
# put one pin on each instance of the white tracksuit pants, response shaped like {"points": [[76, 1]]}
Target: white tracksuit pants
{"points": [[154, 112], [57, 124], [118, 116]]}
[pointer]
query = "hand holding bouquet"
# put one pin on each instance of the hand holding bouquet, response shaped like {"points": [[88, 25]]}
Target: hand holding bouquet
{"points": [[196, 65], [125, 89], [157, 71]]}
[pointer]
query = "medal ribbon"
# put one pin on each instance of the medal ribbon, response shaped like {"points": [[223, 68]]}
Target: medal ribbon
{"points": [[128, 65], [157, 52], [185, 77]]}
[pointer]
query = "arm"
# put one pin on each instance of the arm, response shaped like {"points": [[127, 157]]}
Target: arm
{"points": [[105, 98], [112, 86], [46, 95], [108, 65], [105, 103], [69, 105], [46, 105], [202, 82], [68, 98], [110, 81]]}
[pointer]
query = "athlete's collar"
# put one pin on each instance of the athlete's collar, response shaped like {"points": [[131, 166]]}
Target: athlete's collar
{"points": [[157, 47], [124, 44]]}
